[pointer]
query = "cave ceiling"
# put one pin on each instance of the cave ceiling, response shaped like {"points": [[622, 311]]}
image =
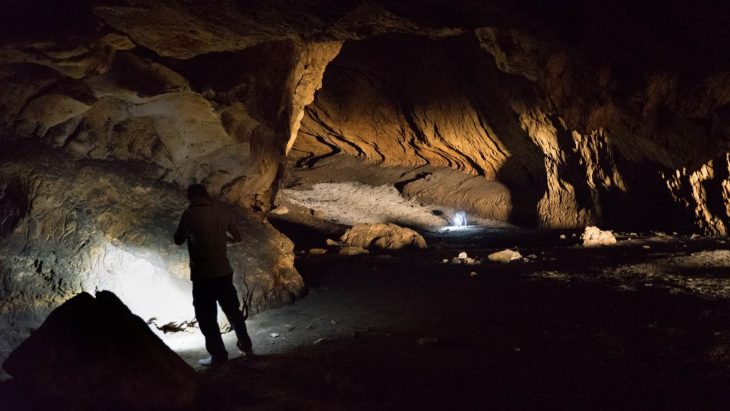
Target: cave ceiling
{"points": [[575, 107]]}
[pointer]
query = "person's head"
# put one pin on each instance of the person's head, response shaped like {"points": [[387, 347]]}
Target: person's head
{"points": [[196, 191]]}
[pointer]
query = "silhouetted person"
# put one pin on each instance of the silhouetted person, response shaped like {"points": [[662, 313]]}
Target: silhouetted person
{"points": [[208, 227]]}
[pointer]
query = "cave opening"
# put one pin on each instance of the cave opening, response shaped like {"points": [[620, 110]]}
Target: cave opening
{"points": [[452, 205]]}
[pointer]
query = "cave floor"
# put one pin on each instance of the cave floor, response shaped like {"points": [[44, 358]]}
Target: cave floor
{"points": [[641, 324]]}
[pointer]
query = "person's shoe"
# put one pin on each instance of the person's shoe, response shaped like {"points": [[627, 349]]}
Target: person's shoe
{"points": [[210, 361], [245, 349]]}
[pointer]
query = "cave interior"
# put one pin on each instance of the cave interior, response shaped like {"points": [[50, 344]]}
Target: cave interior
{"points": [[446, 205]]}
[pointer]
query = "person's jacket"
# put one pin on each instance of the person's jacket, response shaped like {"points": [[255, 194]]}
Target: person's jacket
{"points": [[204, 226]]}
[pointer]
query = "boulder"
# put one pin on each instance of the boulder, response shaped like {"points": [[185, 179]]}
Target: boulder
{"points": [[383, 237], [94, 352], [595, 237], [504, 256]]}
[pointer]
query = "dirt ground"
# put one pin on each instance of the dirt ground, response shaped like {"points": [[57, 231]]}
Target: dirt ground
{"points": [[640, 324], [643, 324]]}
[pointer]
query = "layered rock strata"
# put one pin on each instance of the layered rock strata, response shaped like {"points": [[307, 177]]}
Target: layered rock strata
{"points": [[590, 125], [575, 143]]}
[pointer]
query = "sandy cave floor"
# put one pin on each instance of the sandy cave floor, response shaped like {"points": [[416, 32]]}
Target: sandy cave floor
{"points": [[644, 323], [351, 203], [620, 326]]}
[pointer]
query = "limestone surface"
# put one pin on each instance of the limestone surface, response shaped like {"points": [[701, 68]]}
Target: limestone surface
{"points": [[382, 237], [521, 124], [595, 237], [504, 256], [510, 110], [564, 121], [69, 227]]}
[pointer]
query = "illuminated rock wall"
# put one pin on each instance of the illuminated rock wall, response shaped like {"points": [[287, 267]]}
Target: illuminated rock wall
{"points": [[614, 113], [585, 112], [73, 226], [574, 142]]}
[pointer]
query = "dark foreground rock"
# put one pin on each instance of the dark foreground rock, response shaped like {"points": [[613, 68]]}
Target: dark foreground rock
{"points": [[95, 354]]}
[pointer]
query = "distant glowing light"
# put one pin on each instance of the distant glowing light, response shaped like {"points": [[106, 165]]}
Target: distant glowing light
{"points": [[459, 219], [459, 225]]}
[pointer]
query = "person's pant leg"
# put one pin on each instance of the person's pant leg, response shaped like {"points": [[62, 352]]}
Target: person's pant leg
{"points": [[231, 306], [206, 312]]}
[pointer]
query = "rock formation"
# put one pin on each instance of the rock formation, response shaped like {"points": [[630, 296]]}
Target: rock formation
{"points": [[93, 353], [72, 226], [576, 126], [382, 237], [559, 132], [595, 237], [612, 114]]}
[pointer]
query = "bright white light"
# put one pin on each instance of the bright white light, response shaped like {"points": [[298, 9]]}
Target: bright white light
{"points": [[459, 219], [147, 289]]}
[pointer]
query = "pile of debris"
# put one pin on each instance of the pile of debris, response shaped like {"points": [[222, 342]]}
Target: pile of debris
{"points": [[504, 256]]}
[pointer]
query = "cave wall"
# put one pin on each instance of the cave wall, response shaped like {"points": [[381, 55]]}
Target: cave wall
{"points": [[588, 114], [71, 226], [102, 127], [609, 113], [575, 143]]}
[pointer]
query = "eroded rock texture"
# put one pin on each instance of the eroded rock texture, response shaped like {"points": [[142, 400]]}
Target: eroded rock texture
{"points": [[614, 114], [72, 226], [588, 114], [382, 237], [575, 143]]}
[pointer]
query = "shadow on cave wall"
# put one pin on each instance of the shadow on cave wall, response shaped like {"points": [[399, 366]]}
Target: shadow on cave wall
{"points": [[14, 205], [647, 203], [716, 204], [492, 93]]}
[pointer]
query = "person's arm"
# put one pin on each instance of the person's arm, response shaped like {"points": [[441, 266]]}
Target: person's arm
{"points": [[234, 234], [181, 234]]}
